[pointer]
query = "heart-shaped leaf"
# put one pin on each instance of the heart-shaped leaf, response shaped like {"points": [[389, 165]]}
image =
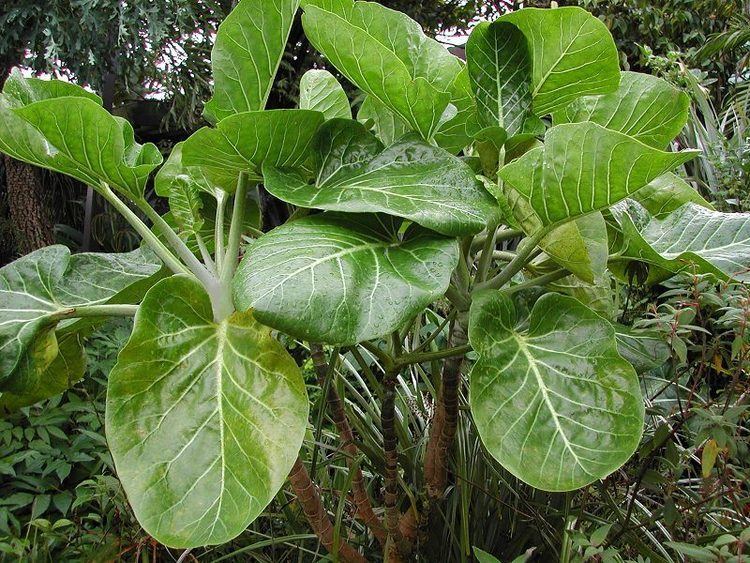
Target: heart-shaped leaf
{"points": [[320, 91], [246, 55], [39, 289], [244, 141], [64, 128], [410, 179], [566, 178], [645, 107], [343, 278], [499, 63], [204, 420], [572, 53], [387, 55], [556, 405]]}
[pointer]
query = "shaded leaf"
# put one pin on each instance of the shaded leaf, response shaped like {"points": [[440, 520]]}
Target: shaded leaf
{"points": [[643, 349], [668, 193], [343, 278], [388, 126]]}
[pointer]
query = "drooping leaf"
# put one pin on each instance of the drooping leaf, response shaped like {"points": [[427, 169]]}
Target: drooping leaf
{"points": [[668, 193], [243, 142], [204, 420], [580, 246], [246, 55], [387, 55], [38, 288], [388, 126], [581, 168], [642, 348], [499, 64], [34, 381], [320, 91], [64, 128], [343, 278], [410, 179], [556, 405], [645, 107], [692, 238], [572, 53]]}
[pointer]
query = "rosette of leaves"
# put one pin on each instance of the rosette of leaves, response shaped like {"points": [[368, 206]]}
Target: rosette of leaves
{"points": [[393, 212]]}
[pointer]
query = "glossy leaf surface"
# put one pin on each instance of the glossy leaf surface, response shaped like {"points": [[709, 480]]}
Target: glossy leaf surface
{"points": [[572, 52], [386, 125], [204, 420], [387, 55], [409, 179], [566, 178], [243, 142], [556, 405], [246, 55], [666, 194], [645, 107], [64, 128], [343, 278], [499, 65], [692, 238], [644, 349], [37, 288]]}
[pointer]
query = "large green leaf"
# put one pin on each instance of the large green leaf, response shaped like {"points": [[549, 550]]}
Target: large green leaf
{"points": [[692, 238], [581, 168], [204, 420], [386, 54], [243, 142], [572, 54], [456, 133], [37, 378], [499, 63], [556, 405], [644, 349], [645, 107], [320, 91], [39, 288], [64, 128], [342, 278], [410, 179], [580, 246], [388, 126], [246, 55], [668, 193]]}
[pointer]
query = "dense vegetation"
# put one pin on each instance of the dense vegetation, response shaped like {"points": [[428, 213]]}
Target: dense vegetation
{"points": [[492, 310]]}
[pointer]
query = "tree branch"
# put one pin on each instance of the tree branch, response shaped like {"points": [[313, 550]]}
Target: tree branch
{"points": [[309, 497], [338, 415]]}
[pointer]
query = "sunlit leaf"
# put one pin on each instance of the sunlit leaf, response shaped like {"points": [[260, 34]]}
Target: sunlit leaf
{"points": [[555, 404], [320, 91], [343, 278], [204, 420]]}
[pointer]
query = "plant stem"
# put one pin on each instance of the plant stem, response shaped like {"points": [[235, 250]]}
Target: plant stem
{"points": [[445, 421], [96, 311], [207, 260], [415, 358], [390, 451], [385, 359], [485, 258], [541, 280], [178, 245], [221, 206], [231, 256], [166, 256], [338, 415], [517, 264], [312, 505]]}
